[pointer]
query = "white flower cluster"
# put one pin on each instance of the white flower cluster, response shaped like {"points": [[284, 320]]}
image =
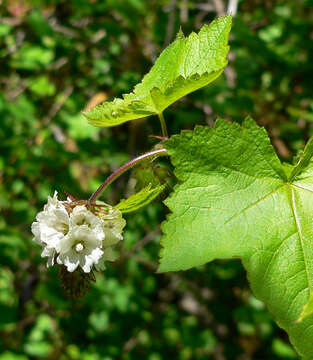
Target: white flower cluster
{"points": [[74, 236]]}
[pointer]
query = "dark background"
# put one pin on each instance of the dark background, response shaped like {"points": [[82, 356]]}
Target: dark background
{"points": [[56, 57]]}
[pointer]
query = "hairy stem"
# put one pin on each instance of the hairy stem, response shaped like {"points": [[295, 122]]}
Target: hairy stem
{"points": [[163, 125], [123, 169]]}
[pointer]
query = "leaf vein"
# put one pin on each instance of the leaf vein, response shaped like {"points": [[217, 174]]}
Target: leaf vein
{"points": [[294, 299], [250, 206], [302, 187], [274, 253], [297, 221]]}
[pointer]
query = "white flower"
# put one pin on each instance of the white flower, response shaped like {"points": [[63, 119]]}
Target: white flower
{"points": [[51, 226], [80, 247], [50, 253], [75, 236], [113, 223], [82, 216]]}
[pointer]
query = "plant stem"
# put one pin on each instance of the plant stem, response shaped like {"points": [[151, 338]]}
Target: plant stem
{"points": [[123, 169], [163, 125]]}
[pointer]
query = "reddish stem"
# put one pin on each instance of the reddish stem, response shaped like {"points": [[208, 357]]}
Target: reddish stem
{"points": [[123, 169]]}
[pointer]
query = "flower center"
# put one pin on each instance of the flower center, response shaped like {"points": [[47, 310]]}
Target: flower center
{"points": [[63, 228], [79, 247], [83, 221]]}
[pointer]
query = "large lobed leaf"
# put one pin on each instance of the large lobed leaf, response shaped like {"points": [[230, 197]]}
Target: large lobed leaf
{"points": [[184, 66], [235, 200]]}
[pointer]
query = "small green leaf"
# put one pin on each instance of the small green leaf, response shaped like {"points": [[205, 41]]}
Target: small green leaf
{"points": [[78, 128], [304, 160], [31, 57], [283, 350], [42, 86], [139, 200], [185, 66], [235, 200], [300, 113], [5, 29]]}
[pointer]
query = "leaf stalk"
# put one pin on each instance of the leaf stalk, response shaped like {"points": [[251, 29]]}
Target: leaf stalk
{"points": [[163, 125]]}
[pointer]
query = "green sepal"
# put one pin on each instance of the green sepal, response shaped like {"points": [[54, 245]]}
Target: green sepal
{"points": [[140, 199]]}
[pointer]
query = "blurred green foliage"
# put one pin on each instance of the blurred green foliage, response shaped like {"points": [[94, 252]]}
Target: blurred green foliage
{"points": [[58, 56]]}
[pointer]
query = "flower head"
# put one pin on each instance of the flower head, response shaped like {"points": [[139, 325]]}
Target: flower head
{"points": [[75, 236]]}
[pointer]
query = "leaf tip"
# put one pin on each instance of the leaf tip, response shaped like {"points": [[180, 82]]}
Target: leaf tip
{"points": [[228, 18], [180, 34], [88, 117], [84, 113]]}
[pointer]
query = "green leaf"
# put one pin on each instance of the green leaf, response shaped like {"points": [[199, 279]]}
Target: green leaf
{"points": [[283, 350], [37, 343], [78, 128], [139, 200], [234, 200], [5, 29], [31, 57], [184, 66], [8, 355], [42, 86]]}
